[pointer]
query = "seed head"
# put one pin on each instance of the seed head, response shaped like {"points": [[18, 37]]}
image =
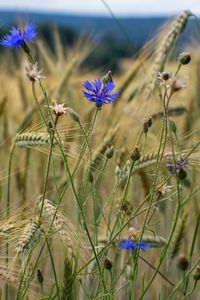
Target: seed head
{"points": [[58, 109], [133, 233], [33, 73]]}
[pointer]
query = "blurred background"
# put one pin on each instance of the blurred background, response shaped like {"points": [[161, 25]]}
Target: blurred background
{"points": [[116, 29]]}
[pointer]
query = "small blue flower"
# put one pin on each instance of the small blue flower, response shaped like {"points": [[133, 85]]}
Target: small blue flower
{"points": [[99, 92], [17, 37], [130, 245]]}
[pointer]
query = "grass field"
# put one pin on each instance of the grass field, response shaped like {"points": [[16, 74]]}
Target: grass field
{"points": [[100, 201]]}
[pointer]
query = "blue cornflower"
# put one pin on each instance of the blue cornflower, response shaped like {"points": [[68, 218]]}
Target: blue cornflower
{"points": [[100, 92], [17, 37], [130, 245]]}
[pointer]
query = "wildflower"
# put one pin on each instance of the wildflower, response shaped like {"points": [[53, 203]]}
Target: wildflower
{"points": [[33, 72], [99, 92], [130, 245], [19, 37], [58, 109], [179, 165], [164, 189]]}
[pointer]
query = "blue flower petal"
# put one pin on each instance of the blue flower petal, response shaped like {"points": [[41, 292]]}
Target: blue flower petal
{"points": [[29, 32], [130, 245], [109, 87], [97, 85], [88, 95], [88, 86], [127, 245]]}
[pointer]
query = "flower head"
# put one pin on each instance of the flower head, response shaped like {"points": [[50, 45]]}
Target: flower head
{"points": [[130, 245], [19, 37], [58, 109], [179, 165], [33, 72], [100, 92]]}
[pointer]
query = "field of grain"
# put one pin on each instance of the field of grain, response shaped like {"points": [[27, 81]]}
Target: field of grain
{"points": [[100, 201]]}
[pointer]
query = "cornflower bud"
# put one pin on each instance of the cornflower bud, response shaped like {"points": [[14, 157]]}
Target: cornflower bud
{"points": [[183, 262], [184, 58], [40, 277], [196, 274], [109, 152], [172, 125], [107, 263], [107, 78], [135, 154], [74, 115]]}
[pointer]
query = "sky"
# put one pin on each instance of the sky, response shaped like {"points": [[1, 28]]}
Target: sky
{"points": [[96, 7]]}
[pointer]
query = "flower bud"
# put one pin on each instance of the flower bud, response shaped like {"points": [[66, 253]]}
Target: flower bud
{"points": [[107, 78], [135, 154], [196, 274], [90, 177], [182, 174], [183, 263], [40, 277], [147, 124], [74, 115], [166, 76], [172, 125], [184, 58], [50, 127], [107, 263], [109, 152]]}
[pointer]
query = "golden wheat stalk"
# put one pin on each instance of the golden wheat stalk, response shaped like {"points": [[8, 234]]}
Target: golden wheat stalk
{"points": [[32, 139], [178, 236], [29, 237], [6, 229], [165, 48], [58, 221]]}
